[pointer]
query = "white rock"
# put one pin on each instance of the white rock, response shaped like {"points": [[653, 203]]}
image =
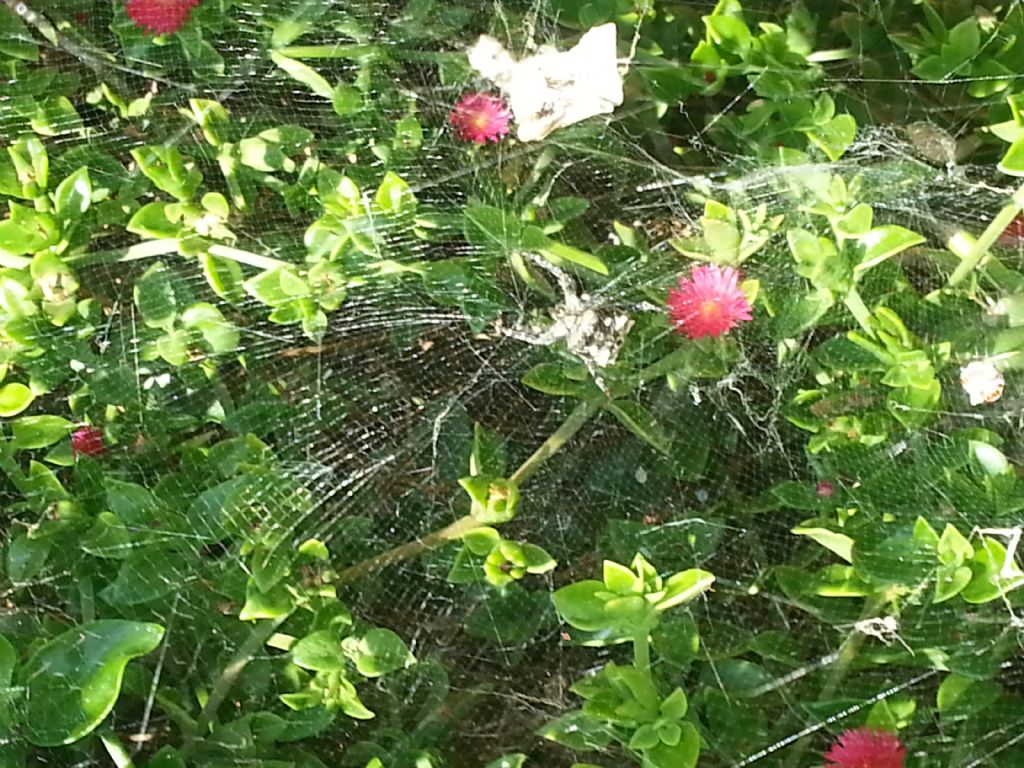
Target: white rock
{"points": [[553, 89], [982, 382]]}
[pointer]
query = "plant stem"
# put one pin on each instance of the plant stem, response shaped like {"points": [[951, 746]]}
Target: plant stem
{"points": [[844, 660], [116, 750], [87, 598], [833, 54], [348, 51], [860, 311], [150, 248], [144, 250], [259, 635], [988, 238], [642, 648], [247, 257], [958, 755], [579, 416], [408, 550], [572, 424], [180, 717]]}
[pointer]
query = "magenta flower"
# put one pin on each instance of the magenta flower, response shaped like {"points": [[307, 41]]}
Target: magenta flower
{"points": [[825, 489], [708, 303], [480, 117], [160, 17], [1013, 235], [866, 748], [88, 441]]}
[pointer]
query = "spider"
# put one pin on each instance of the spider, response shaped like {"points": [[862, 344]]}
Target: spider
{"points": [[595, 334]]}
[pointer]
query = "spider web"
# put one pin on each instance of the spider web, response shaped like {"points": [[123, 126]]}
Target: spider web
{"points": [[378, 414]]}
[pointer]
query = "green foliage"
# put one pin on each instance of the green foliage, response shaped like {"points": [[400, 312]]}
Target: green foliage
{"points": [[623, 703]]}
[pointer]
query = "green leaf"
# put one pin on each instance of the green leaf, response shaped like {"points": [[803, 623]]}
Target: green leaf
{"points": [[644, 737], [202, 58], [147, 574], [685, 586], [1013, 161], [394, 195], [480, 541], [508, 618], [378, 652], [674, 705], [220, 335], [31, 432], [839, 543], [856, 222], [74, 194], [108, 538], [26, 557], [152, 220], [492, 229], [55, 115], [319, 651], [835, 136], [950, 581], [224, 276], [465, 284], [684, 754], [579, 605], [304, 74], [131, 502], [155, 297], [14, 398], [550, 379], [261, 155], [489, 453], [892, 714], [27, 231], [557, 252], [275, 603], [620, 580], [642, 423], [537, 559], [896, 559], [166, 168], [953, 547], [8, 662], [819, 261], [211, 117], [961, 697], [32, 163], [15, 39], [991, 460], [992, 575], [166, 757], [730, 32], [74, 680], [346, 100], [578, 731], [884, 242]]}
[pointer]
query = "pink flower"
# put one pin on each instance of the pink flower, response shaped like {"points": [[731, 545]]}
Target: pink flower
{"points": [[1013, 235], [88, 441], [708, 303], [160, 17], [866, 748], [480, 117], [825, 489]]}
